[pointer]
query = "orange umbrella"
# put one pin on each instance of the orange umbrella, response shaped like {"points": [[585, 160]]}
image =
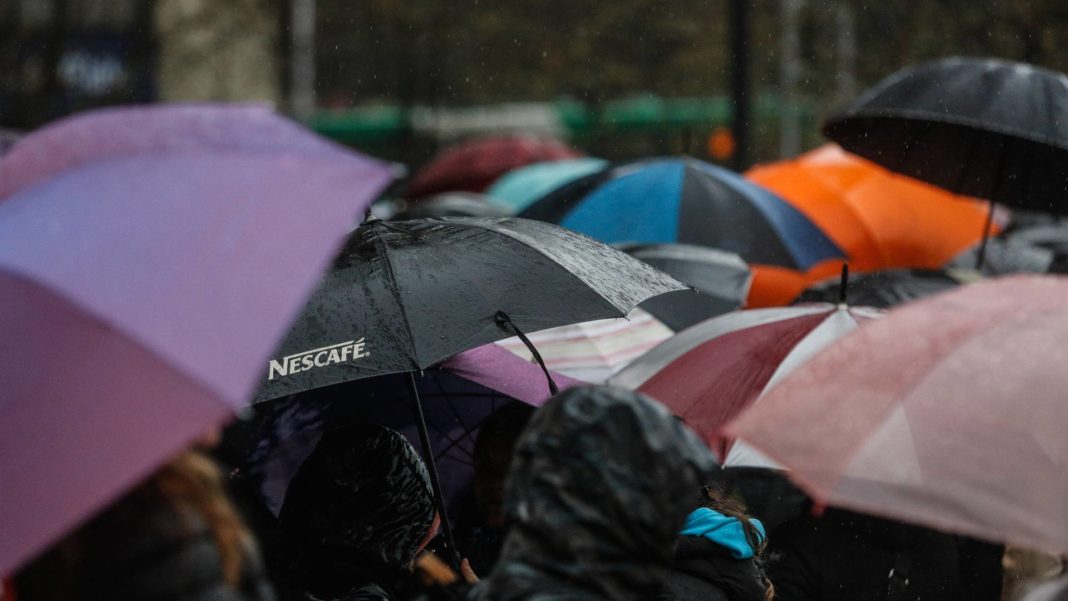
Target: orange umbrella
{"points": [[882, 220]]}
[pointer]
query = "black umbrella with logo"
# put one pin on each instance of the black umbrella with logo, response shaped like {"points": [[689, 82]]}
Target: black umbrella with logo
{"points": [[988, 128], [403, 296]]}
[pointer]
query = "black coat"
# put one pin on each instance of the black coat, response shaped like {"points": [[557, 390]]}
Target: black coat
{"points": [[601, 482], [705, 571], [354, 517], [845, 556]]}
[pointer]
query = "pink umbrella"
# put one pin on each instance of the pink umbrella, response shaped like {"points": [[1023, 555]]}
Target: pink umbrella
{"points": [[151, 260], [949, 412]]}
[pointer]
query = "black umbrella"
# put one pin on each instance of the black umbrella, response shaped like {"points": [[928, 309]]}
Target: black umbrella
{"points": [[980, 127], [1004, 255], [403, 296], [884, 289], [720, 282]]}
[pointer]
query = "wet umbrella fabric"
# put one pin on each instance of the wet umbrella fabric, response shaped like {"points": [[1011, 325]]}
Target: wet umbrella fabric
{"points": [[884, 289], [474, 165], [711, 372], [358, 508], [600, 485], [948, 412], [721, 281], [520, 187], [142, 287], [456, 396], [405, 295], [987, 128], [660, 201]]}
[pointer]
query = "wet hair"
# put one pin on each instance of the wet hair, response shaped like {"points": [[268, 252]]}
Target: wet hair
{"points": [[190, 491]]}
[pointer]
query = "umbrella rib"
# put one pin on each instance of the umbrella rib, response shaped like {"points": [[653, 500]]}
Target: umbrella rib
{"points": [[395, 290]]}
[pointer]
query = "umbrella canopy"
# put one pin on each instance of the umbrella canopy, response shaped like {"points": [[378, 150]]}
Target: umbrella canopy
{"points": [[520, 187], [720, 279], [143, 285], [1005, 255], [981, 127], [457, 396], [881, 220], [885, 289], [451, 204], [1053, 237], [594, 350], [948, 412], [709, 373], [8, 139], [683, 200], [405, 295], [475, 164]]}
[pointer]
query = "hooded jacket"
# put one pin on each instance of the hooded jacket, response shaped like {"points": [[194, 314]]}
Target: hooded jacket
{"points": [[601, 482], [354, 515], [714, 561]]}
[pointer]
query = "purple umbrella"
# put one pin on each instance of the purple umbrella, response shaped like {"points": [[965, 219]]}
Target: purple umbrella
{"points": [[456, 396], [151, 260]]}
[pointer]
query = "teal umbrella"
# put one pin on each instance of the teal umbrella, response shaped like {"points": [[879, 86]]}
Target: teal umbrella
{"points": [[518, 188]]}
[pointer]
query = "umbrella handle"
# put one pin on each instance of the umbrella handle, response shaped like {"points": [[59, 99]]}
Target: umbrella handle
{"points": [[505, 323]]}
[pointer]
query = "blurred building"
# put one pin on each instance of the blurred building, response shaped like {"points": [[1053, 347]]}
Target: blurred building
{"points": [[60, 56]]}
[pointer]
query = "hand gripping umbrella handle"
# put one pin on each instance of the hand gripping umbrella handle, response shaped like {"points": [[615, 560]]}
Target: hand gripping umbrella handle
{"points": [[505, 323]]}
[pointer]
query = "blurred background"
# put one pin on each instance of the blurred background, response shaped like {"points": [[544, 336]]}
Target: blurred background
{"points": [[401, 79]]}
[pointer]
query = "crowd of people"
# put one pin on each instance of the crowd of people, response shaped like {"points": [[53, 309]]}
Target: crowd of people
{"points": [[599, 494]]}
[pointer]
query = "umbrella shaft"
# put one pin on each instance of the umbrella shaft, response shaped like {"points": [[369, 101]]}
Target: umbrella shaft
{"points": [[428, 456], [980, 257]]}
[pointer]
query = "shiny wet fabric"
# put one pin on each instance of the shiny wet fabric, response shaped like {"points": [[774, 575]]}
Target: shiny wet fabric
{"points": [[601, 482], [355, 514]]}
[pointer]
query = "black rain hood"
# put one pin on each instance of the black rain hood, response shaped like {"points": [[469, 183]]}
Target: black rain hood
{"points": [[360, 503], [601, 483]]}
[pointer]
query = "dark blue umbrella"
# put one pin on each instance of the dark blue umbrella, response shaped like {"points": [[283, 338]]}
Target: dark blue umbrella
{"points": [[683, 200]]}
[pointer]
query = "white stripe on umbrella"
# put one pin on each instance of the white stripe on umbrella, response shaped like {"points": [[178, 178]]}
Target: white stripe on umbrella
{"points": [[594, 350], [838, 324]]}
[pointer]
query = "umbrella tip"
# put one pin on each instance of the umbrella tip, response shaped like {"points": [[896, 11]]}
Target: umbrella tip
{"points": [[843, 284]]}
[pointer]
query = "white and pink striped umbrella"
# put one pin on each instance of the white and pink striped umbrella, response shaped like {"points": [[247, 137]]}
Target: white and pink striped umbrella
{"points": [[594, 350], [710, 372], [949, 412]]}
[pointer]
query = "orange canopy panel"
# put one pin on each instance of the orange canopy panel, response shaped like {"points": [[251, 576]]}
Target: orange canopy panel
{"points": [[774, 286], [881, 219]]}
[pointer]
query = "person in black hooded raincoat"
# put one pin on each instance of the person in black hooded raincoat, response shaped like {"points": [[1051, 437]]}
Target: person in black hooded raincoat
{"points": [[358, 511], [601, 483]]}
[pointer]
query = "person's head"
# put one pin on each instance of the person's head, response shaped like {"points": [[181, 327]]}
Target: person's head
{"points": [[497, 437], [363, 497], [178, 524], [601, 482], [715, 498]]}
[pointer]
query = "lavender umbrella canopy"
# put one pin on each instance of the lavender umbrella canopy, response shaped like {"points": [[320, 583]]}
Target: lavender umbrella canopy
{"points": [[151, 260]]}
